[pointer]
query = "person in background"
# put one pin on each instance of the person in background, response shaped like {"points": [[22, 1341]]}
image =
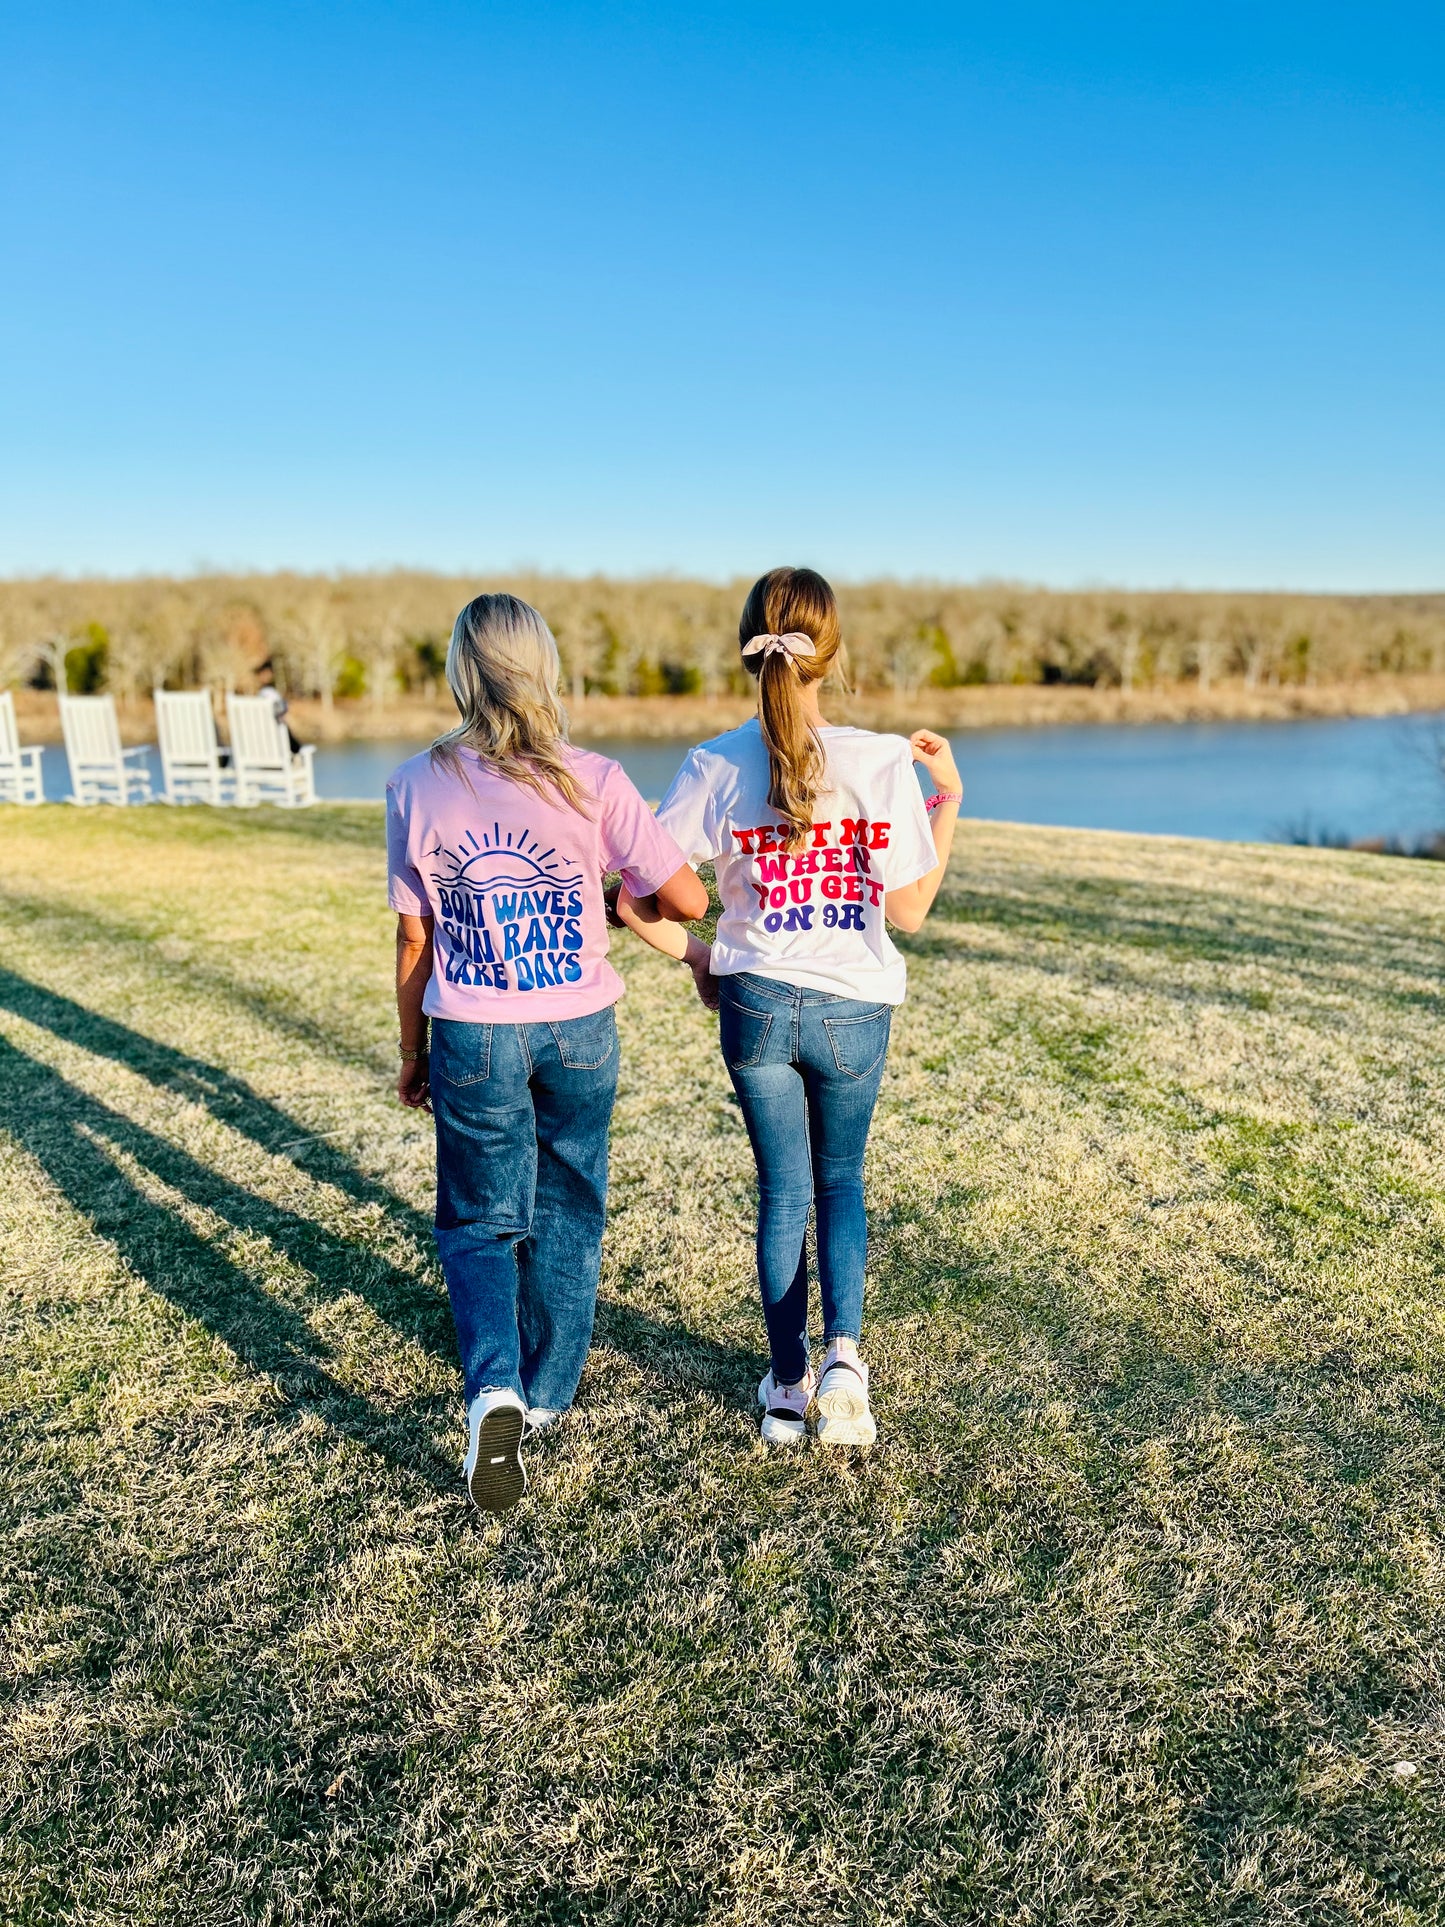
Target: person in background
{"points": [[498, 839], [821, 839], [266, 679]]}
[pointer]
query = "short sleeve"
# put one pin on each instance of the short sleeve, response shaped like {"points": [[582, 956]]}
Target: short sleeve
{"points": [[633, 841], [910, 853], [406, 892], [687, 812]]}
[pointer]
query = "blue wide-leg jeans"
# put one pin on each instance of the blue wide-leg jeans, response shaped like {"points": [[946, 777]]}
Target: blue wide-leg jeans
{"points": [[806, 1067], [522, 1118]]}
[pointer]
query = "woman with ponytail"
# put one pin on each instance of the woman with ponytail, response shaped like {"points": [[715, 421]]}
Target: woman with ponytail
{"points": [[821, 838]]}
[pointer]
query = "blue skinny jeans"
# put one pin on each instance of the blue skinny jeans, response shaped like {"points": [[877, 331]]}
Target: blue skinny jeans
{"points": [[522, 1119], [806, 1067]]}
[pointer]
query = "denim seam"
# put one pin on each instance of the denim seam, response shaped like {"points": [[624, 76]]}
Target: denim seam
{"points": [[769, 987]]}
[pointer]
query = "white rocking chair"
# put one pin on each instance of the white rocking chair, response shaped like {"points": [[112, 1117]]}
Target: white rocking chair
{"points": [[190, 753], [100, 770], [20, 779], [265, 769]]}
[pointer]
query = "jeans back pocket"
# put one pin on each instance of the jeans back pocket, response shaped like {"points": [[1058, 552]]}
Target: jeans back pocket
{"points": [[860, 1043], [586, 1043], [461, 1053], [742, 1031]]}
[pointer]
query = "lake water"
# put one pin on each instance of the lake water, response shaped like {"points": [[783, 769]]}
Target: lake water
{"points": [[1252, 782]]}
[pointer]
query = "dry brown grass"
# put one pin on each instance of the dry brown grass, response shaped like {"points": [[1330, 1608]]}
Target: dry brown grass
{"points": [[1135, 1615]]}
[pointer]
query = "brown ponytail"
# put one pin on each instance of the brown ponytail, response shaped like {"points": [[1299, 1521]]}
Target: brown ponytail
{"points": [[786, 602]]}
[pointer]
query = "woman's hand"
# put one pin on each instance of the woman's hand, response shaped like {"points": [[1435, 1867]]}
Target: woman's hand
{"points": [[705, 984], [906, 907], [698, 958], [933, 752], [413, 1084], [413, 974]]}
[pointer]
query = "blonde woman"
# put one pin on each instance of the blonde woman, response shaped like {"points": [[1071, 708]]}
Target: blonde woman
{"points": [[498, 839], [821, 839]]}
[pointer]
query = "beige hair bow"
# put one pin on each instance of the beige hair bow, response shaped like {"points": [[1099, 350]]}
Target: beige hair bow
{"points": [[795, 643]]}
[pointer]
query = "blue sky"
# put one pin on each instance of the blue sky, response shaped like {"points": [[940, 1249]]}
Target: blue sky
{"points": [[1146, 295]]}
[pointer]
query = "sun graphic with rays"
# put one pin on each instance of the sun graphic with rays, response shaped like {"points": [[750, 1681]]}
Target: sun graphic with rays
{"points": [[515, 860]]}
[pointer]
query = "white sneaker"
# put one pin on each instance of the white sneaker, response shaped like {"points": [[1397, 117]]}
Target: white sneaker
{"points": [[493, 1466], [843, 1417], [540, 1419], [785, 1409]]}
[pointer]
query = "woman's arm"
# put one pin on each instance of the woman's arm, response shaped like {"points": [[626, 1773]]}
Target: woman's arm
{"points": [[683, 898], [907, 908], [413, 974], [642, 918]]}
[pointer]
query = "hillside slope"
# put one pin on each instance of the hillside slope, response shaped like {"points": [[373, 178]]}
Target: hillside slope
{"points": [[1134, 1616]]}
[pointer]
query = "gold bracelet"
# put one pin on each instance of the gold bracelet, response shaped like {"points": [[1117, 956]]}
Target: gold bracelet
{"points": [[410, 1056]]}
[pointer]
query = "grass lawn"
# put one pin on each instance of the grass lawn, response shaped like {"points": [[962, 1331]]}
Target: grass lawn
{"points": [[1135, 1615]]}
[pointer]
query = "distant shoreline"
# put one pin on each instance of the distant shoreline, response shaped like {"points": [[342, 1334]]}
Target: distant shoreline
{"points": [[982, 706]]}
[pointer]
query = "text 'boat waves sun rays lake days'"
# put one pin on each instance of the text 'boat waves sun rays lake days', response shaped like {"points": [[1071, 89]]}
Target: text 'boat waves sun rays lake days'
{"points": [[511, 911]]}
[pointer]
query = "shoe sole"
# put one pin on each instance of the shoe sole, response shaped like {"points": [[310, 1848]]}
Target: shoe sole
{"points": [[843, 1417], [786, 1433], [498, 1479]]}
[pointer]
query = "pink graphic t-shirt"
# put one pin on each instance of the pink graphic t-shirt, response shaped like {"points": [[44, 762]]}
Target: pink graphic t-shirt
{"points": [[514, 883]]}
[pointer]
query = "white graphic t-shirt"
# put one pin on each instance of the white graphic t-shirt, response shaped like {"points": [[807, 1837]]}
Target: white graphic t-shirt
{"points": [[813, 917]]}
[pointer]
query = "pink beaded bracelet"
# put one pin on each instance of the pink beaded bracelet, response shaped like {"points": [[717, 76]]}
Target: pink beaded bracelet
{"points": [[941, 797]]}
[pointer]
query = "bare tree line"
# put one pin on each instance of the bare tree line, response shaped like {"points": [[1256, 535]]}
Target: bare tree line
{"points": [[376, 636]]}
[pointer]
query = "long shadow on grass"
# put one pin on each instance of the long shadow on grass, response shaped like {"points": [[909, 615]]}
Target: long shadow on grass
{"points": [[412, 1306], [72, 1134], [270, 1006], [409, 1304], [682, 1358]]}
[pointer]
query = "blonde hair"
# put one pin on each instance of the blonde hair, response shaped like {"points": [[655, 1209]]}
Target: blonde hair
{"points": [[503, 669], [785, 601]]}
